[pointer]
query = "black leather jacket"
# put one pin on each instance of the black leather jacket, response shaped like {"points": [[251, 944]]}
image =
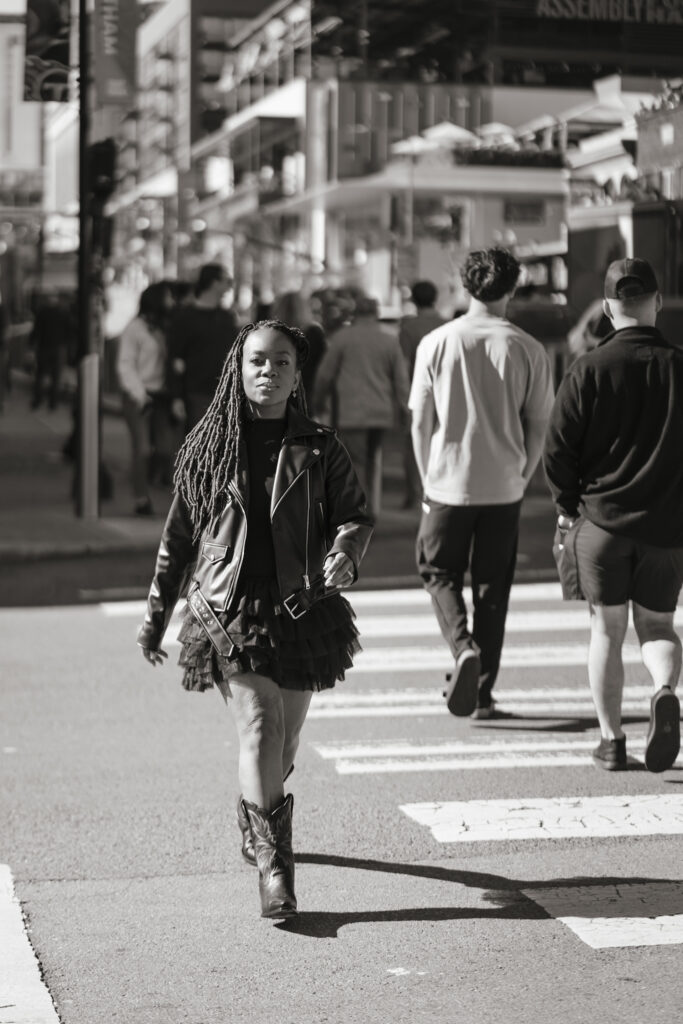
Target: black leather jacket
{"points": [[317, 508]]}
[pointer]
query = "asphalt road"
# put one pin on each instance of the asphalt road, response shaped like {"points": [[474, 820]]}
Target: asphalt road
{"points": [[422, 897]]}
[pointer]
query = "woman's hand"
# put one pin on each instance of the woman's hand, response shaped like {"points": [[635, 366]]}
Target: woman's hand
{"points": [[154, 657], [338, 570]]}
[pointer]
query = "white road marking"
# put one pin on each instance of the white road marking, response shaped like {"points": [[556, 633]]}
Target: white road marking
{"points": [[404, 756], [580, 709], [23, 993], [609, 916], [406, 748], [418, 597], [554, 818], [415, 702], [438, 658], [424, 695], [380, 627]]}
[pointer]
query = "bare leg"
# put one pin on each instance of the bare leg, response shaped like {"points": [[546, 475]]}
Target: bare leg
{"points": [[660, 645], [295, 704], [257, 709], [605, 665]]}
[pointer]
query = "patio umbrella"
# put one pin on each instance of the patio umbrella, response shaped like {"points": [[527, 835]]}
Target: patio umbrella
{"points": [[451, 134], [495, 132], [414, 145]]}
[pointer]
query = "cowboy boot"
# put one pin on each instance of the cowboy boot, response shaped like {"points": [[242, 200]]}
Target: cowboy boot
{"points": [[245, 828], [272, 833]]}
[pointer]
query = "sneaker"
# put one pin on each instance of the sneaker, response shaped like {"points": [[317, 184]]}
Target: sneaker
{"points": [[664, 735], [463, 684], [611, 755]]}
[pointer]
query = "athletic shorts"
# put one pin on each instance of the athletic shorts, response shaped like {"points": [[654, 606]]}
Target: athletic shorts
{"points": [[614, 570]]}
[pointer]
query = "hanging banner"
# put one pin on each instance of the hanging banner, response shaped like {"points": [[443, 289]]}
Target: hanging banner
{"points": [[46, 64], [115, 63]]}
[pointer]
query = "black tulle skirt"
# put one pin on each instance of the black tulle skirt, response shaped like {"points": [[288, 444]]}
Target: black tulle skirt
{"points": [[310, 653]]}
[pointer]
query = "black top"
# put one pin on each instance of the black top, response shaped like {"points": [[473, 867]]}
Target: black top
{"points": [[202, 338], [263, 440], [614, 447]]}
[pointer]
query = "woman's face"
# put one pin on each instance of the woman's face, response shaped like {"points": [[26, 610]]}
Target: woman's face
{"points": [[269, 373]]}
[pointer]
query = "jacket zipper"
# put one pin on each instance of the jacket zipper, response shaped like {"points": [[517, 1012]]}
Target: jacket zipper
{"points": [[282, 496], [307, 582], [244, 546]]}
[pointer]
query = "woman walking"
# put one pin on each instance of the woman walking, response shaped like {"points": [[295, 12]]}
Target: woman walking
{"points": [[268, 524], [141, 367]]}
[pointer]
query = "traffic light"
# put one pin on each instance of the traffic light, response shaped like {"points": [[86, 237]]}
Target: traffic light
{"points": [[102, 168]]}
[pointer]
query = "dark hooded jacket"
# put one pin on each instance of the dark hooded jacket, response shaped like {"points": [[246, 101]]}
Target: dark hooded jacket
{"points": [[614, 445]]}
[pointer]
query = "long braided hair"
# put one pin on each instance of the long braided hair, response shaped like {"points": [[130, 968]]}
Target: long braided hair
{"points": [[210, 455]]}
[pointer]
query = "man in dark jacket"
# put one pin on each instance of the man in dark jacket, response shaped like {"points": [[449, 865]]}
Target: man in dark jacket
{"points": [[613, 461], [201, 336]]}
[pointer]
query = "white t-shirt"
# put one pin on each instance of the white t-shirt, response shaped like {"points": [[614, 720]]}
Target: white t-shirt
{"points": [[478, 380]]}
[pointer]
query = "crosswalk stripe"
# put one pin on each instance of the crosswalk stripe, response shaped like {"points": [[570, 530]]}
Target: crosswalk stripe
{"points": [[415, 658], [562, 621], [550, 818], [609, 916], [362, 599], [430, 694], [541, 710], [407, 748], [429, 702], [405, 756]]}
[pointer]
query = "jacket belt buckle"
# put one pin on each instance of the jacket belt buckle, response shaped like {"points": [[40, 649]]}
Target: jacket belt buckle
{"points": [[294, 607]]}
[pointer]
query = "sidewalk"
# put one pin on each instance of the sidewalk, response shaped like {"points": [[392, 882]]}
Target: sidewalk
{"points": [[37, 514], [61, 554]]}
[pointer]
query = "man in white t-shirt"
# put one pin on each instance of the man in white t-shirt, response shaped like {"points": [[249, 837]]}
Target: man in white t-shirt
{"points": [[481, 397]]}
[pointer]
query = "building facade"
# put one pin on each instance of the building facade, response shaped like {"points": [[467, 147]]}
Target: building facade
{"points": [[21, 170]]}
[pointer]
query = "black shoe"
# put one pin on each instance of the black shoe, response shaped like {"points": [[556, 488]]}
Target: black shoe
{"points": [[463, 684], [611, 755], [664, 735]]}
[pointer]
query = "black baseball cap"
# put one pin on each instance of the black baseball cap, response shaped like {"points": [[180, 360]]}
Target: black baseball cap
{"points": [[630, 278]]}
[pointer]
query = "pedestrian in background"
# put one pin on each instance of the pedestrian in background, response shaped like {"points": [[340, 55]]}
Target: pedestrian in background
{"points": [[411, 331], [50, 336], [269, 537], [293, 308], [201, 336], [480, 398], [364, 366], [141, 366], [613, 461], [4, 355], [182, 292]]}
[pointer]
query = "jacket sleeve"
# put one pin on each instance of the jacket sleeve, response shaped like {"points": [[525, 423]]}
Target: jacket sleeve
{"points": [[327, 371], [127, 364], [176, 355], [399, 373], [177, 553], [564, 443], [347, 509]]}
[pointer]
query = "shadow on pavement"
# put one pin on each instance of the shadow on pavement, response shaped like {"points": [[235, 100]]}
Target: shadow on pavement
{"points": [[510, 902]]}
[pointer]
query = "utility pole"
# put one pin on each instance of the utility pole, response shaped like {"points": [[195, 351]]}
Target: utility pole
{"points": [[88, 418]]}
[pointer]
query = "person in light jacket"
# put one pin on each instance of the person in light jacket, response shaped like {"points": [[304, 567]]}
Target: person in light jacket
{"points": [[364, 365], [141, 367], [268, 524]]}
